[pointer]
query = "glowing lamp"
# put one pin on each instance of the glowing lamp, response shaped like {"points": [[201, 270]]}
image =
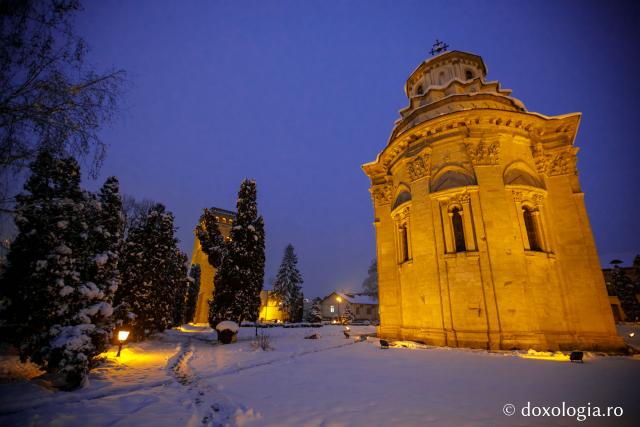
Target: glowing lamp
{"points": [[122, 337], [339, 299], [632, 334]]}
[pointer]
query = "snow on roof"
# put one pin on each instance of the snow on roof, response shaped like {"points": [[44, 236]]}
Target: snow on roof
{"points": [[357, 298]]}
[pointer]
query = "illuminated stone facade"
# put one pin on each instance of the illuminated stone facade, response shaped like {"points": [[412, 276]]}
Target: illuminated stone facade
{"points": [[483, 238], [225, 221]]}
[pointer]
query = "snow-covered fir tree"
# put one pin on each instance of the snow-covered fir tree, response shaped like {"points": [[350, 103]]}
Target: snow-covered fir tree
{"points": [[211, 240], [626, 291], [62, 269], [315, 314], [347, 314], [370, 284], [192, 293], [102, 262], [288, 285], [239, 278], [179, 283], [151, 271]]}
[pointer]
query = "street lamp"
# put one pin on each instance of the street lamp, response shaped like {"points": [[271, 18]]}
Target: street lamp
{"points": [[122, 337], [339, 299]]}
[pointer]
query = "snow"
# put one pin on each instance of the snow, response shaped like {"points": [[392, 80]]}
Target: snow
{"points": [[182, 377], [227, 325], [101, 259], [66, 291], [358, 299]]}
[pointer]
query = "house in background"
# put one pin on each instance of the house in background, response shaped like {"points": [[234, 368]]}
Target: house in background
{"points": [[362, 306], [270, 308]]}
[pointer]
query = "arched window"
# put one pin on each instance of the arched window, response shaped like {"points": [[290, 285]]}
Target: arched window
{"points": [[458, 230], [441, 78], [419, 90], [468, 74], [404, 243], [532, 232]]}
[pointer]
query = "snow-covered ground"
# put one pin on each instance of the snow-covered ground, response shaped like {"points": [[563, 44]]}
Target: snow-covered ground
{"points": [[183, 378]]}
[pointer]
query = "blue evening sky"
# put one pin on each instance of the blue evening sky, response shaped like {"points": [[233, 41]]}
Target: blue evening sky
{"points": [[299, 94]]}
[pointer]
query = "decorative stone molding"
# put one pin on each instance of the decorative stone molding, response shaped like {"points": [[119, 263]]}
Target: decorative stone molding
{"points": [[555, 163], [517, 196], [483, 153], [538, 199], [458, 200], [538, 157], [534, 197], [401, 215], [464, 198], [561, 163], [419, 167], [381, 194]]}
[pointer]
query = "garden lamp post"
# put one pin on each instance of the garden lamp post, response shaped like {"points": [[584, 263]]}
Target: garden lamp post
{"points": [[339, 299], [122, 337]]}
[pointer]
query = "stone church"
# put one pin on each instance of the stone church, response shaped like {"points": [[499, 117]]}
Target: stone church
{"points": [[482, 235], [225, 220]]}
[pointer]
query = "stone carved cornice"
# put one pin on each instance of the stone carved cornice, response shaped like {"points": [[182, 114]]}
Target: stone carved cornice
{"points": [[381, 194], [483, 153], [419, 167], [555, 162], [548, 131], [401, 215], [528, 195]]}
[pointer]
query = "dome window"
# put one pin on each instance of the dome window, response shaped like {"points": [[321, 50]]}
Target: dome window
{"points": [[468, 74]]}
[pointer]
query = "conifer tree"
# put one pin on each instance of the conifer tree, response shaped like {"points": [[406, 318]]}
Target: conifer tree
{"points": [[370, 284], [315, 314], [347, 314], [151, 271], [288, 285], [626, 291], [62, 270], [179, 281], [247, 247], [239, 278], [192, 293], [211, 240]]}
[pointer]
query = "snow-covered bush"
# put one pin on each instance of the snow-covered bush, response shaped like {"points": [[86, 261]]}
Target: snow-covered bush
{"points": [[227, 331], [261, 341]]}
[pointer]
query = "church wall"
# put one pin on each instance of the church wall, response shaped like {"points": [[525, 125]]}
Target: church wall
{"points": [[501, 253]]}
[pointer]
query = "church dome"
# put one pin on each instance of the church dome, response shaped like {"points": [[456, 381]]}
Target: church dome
{"points": [[449, 82]]}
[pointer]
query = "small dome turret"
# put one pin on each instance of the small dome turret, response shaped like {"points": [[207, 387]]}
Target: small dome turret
{"points": [[442, 69]]}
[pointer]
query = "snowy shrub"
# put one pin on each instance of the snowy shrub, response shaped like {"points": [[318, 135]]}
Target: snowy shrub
{"points": [[261, 341], [227, 331]]}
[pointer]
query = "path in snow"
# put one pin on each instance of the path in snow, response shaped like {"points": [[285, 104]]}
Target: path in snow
{"points": [[182, 378]]}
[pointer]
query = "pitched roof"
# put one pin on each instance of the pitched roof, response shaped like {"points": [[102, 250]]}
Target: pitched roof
{"points": [[355, 298]]}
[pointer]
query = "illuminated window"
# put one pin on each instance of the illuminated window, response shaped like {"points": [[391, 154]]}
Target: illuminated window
{"points": [[458, 230], [468, 74], [217, 219], [532, 232], [332, 309]]}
